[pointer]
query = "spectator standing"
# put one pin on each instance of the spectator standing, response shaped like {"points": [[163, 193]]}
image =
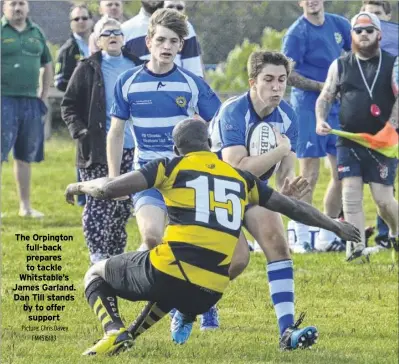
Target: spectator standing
{"points": [[366, 81], [86, 109], [75, 48], [313, 42], [108, 9], [23, 103], [72, 51], [389, 43]]}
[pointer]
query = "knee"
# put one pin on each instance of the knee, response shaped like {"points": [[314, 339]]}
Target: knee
{"points": [[21, 163], [238, 265], [352, 201], [151, 239], [312, 176], [90, 276], [382, 203], [276, 243], [335, 179]]}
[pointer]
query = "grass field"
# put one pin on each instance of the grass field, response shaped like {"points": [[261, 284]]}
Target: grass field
{"points": [[355, 307]]}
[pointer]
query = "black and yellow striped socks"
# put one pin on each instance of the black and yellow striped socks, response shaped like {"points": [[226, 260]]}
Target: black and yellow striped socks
{"points": [[102, 300], [148, 317]]}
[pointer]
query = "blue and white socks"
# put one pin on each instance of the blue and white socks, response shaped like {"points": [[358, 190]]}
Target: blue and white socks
{"points": [[281, 284]]}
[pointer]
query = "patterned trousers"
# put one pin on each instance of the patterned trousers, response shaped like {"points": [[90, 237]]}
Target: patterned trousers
{"points": [[104, 221]]}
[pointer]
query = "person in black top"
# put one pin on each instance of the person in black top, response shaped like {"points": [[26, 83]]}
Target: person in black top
{"points": [[366, 82]]}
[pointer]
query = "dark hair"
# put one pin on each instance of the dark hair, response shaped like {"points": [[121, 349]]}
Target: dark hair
{"points": [[258, 60], [171, 19], [386, 5], [191, 135], [80, 6]]}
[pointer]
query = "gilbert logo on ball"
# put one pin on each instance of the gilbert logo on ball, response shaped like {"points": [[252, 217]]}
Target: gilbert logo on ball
{"points": [[262, 139]]}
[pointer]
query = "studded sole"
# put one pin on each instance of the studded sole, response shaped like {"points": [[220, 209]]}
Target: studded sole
{"points": [[308, 339]]}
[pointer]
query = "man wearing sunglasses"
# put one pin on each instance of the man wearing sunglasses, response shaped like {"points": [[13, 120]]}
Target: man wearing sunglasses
{"points": [[85, 109], [75, 48], [367, 83], [72, 51], [390, 44]]}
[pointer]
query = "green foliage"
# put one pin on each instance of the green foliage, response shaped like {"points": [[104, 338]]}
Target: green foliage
{"points": [[272, 39], [232, 75]]}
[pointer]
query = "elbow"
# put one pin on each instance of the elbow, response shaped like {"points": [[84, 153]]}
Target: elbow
{"points": [[115, 134], [240, 164]]}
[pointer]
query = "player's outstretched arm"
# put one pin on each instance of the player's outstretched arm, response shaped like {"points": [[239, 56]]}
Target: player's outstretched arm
{"points": [[108, 188], [306, 214]]}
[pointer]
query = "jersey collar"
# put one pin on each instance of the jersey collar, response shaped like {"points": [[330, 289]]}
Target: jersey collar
{"points": [[203, 152]]}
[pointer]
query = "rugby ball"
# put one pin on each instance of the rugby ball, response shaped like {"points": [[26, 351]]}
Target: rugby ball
{"points": [[262, 139]]}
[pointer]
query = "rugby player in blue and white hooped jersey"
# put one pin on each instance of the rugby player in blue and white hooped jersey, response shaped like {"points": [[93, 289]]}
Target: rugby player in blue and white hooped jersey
{"points": [[155, 97], [268, 73], [135, 30], [313, 42]]}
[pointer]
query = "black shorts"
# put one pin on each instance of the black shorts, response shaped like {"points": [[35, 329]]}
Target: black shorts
{"points": [[134, 278], [371, 166]]}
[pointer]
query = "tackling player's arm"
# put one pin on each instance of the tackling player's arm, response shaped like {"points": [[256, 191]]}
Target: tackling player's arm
{"points": [[300, 211], [151, 175], [393, 119], [326, 99]]}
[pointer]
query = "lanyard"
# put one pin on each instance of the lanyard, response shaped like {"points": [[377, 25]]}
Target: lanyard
{"points": [[370, 89]]}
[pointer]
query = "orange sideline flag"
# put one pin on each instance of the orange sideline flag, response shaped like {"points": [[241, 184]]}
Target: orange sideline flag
{"points": [[386, 141]]}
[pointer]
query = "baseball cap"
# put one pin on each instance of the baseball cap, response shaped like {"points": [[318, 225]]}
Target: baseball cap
{"points": [[365, 19]]}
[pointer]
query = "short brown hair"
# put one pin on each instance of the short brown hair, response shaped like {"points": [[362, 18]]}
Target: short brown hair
{"points": [[258, 60], [384, 4], [80, 6], [171, 19]]}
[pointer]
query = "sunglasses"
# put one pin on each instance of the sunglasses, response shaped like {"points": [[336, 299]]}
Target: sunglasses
{"points": [[177, 7], [80, 18], [108, 33], [369, 30]]}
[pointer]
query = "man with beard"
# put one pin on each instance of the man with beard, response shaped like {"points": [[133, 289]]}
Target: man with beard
{"points": [[366, 81], [313, 42], [389, 43], [135, 31]]}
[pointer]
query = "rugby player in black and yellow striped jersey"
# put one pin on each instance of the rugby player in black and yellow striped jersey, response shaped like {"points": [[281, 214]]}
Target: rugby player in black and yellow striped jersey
{"points": [[206, 200]]}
